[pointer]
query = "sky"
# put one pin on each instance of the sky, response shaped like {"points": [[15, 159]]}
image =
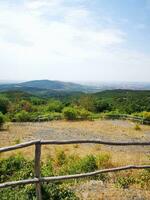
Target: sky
{"points": [[75, 40]]}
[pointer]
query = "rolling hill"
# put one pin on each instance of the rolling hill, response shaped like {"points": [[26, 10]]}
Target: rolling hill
{"points": [[49, 88], [46, 87]]}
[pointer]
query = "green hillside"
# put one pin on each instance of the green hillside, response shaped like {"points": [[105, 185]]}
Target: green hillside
{"points": [[22, 106]]}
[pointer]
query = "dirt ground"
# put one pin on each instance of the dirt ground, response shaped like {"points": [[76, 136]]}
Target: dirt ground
{"points": [[111, 130], [97, 190]]}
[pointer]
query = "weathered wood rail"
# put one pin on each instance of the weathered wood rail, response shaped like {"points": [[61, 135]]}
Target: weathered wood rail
{"points": [[38, 180], [138, 119]]}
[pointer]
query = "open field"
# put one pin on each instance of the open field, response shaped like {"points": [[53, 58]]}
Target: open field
{"points": [[113, 130]]}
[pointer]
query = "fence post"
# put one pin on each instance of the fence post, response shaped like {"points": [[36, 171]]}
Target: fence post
{"points": [[37, 169]]}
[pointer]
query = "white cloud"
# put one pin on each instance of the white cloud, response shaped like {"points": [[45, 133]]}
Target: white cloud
{"points": [[65, 36], [62, 40]]}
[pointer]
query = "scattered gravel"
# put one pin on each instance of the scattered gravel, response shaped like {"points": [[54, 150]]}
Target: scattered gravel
{"points": [[97, 190]]}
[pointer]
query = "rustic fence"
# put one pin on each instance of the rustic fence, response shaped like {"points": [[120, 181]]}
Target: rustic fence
{"points": [[138, 119], [38, 180]]}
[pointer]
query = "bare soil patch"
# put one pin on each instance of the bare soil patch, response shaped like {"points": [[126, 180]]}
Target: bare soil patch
{"points": [[112, 130]]}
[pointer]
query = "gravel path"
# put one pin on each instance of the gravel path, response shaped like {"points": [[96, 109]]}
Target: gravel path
{"points": [[97, 190], [79, 132]]}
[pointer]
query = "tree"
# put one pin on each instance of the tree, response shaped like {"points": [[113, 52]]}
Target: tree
{"points": [[25, 105], [4, 104], [101, 106], [2, 120], [87, 102]]}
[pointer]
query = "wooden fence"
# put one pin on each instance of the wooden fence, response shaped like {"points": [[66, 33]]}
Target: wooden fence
{"points": [[38, 180], [138, 119]]}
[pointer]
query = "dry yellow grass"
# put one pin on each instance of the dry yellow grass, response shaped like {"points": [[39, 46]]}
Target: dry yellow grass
{"points": [[103, 129], [114, 130]]}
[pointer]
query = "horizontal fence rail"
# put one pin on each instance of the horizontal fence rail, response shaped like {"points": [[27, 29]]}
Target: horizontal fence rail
{"points": [[38, 180], [63, 142], [67, 177], [141, 120]]}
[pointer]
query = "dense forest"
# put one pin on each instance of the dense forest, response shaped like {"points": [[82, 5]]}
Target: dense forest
{"points": [[18, 106]]}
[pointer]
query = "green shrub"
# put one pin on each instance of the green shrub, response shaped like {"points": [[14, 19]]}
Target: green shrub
{"points": [[22, 116], [18, 168], [103, 161], [94, 116], [56, 116], [71, 166], [101, 106], [88, 164], [4, 104], [60, 158], [87, 102], [2, 120], [74, 113], [57, 192], [75, 165], [25, 105], [17, 141], [124, 182], [137, 127], [145, 115], [19, 193], [55, 106], [15, 167], [70, 113], [37, 101], [144, 178], [83, 113], [49, 191], [47, 168]]}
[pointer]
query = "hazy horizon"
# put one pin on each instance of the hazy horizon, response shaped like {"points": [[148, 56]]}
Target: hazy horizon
{"points": [[77, 41], [77, 81]]}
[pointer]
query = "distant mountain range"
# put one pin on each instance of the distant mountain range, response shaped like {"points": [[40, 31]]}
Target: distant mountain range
{"points": [[50, 88], [46, 87]]}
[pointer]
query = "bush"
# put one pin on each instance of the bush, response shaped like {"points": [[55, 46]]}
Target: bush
{"points": [[55, 106], [47, 168], [83, 113], [4, 104], [124, 182], [137, 127], [88, 164], [18, 168], [15, 167], [74, 113], [22, 116], [144, 179], [37, 101], [101, 106], [71, 166], [70, 113], [87, 102], [2, 120], [57, 192], [60, 158], [25, 105], [49, 191], [75, 165], [56, 116], [103, 160], [146, 115]]}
